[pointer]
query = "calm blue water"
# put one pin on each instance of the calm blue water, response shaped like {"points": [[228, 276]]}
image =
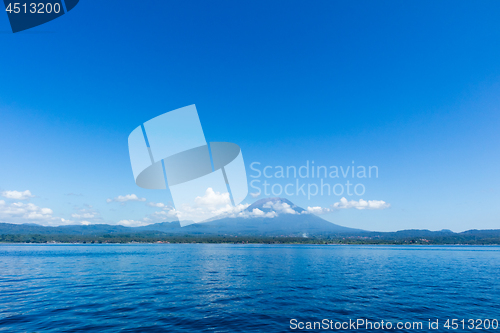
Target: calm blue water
{"points": [[247, 288]]}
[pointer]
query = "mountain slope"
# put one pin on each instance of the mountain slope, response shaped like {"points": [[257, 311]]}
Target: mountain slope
{"points": [[14, 229], [288, 220]]}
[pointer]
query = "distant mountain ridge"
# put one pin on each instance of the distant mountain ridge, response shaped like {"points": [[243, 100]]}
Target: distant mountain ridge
{"points": [[288, 220]]}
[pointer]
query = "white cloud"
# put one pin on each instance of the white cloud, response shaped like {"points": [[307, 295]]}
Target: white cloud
{"points": [[83, 216], [280, 207], [210, 204], [240, 211], [47, 211], [212, 199], [156, 204], [17, 195], [161, 215], [167, 213], [232, 211], [19, 212], [255, 195], [125, 198], [87, 215], [361, 204], [345, 204], [318, 210], [68, 222], [258, 213], [133, 223]]}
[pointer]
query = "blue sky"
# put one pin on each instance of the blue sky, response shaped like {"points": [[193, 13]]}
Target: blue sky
{"points": [[411, 87]]}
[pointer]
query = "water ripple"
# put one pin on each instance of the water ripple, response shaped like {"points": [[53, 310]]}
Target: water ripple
{"points": [[234, 288]]}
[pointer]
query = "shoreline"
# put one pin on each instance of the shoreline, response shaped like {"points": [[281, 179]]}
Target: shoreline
{"points": [[230, 243]]}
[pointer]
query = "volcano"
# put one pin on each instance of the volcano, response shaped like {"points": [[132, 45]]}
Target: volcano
{"points": [[272, 217]]}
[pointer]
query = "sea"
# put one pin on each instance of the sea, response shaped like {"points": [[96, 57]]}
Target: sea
{"points": [[248, 288]]}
